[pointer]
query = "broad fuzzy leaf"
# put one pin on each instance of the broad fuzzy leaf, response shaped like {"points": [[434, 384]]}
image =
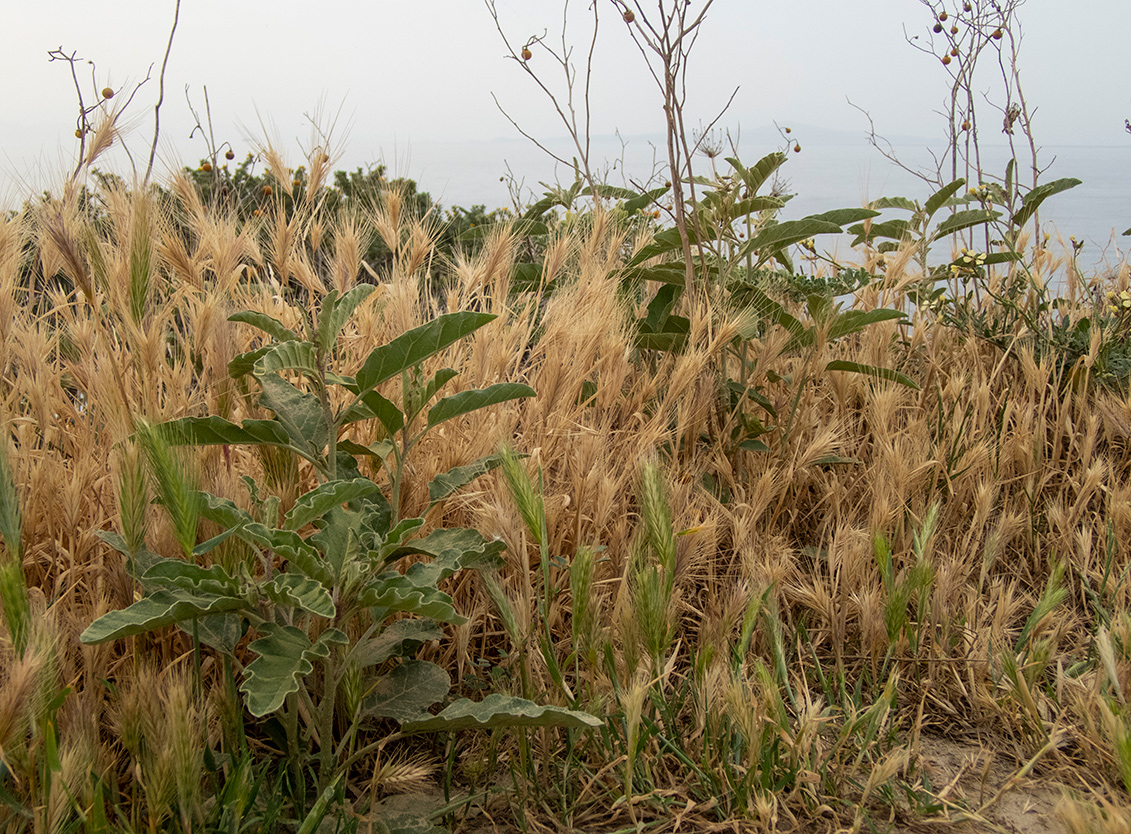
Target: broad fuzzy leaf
{"points": [[268, 324], [416, 345], [372, 406], [286, 656], [395, 592], [299, 413], [468, 401], [500, 711], [287, 356], [1032, 201], [155, 611], [453, 548], [401, 637], [458, 477], [333, 317], [780, 235], [845, 215], [964, 220], [939, 199], [216, 431], [407, 692], [295, 591], [173, 574], [319, 501], [872, 370]]}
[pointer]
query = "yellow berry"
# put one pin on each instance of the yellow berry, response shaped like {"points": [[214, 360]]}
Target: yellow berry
{"points": [[230, 155], [628, 16], [945, 60], [206, 167], [107, 92], [78, 134], [266, 191], [797, 148], [526, 54]]}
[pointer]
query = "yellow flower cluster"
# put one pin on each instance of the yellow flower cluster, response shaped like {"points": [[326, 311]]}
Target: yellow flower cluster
{"points": [[1118, 301], [969, 262]]}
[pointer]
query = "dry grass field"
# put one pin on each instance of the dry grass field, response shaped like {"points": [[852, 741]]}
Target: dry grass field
{"points": [[903, 608]]}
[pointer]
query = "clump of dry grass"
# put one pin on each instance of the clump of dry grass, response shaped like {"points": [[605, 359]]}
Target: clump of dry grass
{"points": [[774, 632]]}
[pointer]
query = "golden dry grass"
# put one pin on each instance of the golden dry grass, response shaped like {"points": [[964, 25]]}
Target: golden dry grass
{"points": [[1029, 470]]}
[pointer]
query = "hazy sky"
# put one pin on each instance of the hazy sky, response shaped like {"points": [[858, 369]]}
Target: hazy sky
{"points": [[404, 73]]}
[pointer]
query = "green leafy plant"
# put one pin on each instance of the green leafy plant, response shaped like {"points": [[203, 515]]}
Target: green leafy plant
{"points": [[333, 646]]}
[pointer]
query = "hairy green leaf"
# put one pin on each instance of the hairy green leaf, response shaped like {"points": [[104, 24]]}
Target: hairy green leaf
{"points": [[939, 199], [155, 611], [295, 591], [872, 370], [964, 220], [401, 637], [416, 345], [467, 401], [1032, 201], [287, 356], [319, 501], [286, 656], [299, 413], [333, 317], [500, 711], [268, 324], [458, 477], [406, 693], [215, 431]]}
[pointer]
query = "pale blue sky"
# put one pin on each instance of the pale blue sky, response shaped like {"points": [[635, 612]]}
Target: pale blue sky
{"points": [[415, 71]]}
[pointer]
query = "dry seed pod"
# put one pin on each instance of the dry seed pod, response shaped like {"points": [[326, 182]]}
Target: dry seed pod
{"points": [[628, 16], [526, 54]]}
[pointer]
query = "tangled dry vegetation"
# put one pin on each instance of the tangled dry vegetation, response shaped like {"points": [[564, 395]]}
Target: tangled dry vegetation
{"points": [[903, 566]]}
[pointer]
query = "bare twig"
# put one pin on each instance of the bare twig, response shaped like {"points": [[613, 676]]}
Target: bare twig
{"points": [[161, 94]]}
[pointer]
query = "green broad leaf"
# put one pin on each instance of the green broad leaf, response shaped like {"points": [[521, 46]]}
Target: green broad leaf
{"points": [[338, 538], [1002, 257], [319, 501], [244, 363], [609, 192], [286, 656], [892, 229], [458, 477], [526, 277], [964, 220], [372, 406], [407, 692], [451, 549], [939, 199], [296, 591], [640, 201], [667, 342], [467, 401], [173, 574], [156, 611], [753, 445], [395, 592], [318, 810], [399, 639], [872, 370], [439, 379], [221, 632], [755, 176], [268, 324], [662, 243], [299, 413], [673, 272], [500, 711], [379, 450], [853, 321], [660, 308], [1031, 201], [333, 317], [780, 235], [288, 356], [754, 205], [416, 345], [388, 548], [214, 431], [844, 216], [894, 203]]}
